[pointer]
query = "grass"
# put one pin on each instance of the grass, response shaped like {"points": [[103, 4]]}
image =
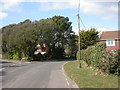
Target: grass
{"points": [[87, 78]]}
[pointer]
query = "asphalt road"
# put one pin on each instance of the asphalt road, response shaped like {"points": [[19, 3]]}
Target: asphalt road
{"points": [[34, 75]]}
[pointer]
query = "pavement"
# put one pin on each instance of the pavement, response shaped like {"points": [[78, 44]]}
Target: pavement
{"points": [[34, 75]]}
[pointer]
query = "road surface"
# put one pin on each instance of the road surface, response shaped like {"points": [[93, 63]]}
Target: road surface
{"points": [[34, 75]]}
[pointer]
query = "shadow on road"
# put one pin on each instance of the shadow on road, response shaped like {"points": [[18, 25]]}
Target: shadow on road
{"points": [[10, 66], [53, 60], [5, 62]]}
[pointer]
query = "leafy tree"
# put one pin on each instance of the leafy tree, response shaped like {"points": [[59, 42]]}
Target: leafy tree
{"points": [[88, 38], [21, 39]]}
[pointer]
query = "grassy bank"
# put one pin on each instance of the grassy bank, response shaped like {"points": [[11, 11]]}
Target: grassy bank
{"points": [[87, 78]]}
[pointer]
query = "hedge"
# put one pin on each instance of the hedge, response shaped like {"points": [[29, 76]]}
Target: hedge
{"points": [[100, 58]]}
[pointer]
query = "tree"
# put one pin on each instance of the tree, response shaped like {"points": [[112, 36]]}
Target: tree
{"points": [[56, 32], [21, 39], [88, 38]]}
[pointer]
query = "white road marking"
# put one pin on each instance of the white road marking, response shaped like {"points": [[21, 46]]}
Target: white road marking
{"points": [[74, 85], [1, 69], [62, 68], [68, 83], [27, 62], [64, 74]]}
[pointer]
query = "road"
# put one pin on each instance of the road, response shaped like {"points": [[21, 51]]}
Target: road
{"points": [[34, 75]]}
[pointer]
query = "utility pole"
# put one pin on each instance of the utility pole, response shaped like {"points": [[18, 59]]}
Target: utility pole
{"points": [[79, 63]]}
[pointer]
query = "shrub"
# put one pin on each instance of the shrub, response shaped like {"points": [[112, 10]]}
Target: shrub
{"points": [[13, 54], [16, 56], [100, 58]]}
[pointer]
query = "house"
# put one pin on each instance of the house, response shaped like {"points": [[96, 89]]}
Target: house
{"points": [[112, 39], [42, 49]]}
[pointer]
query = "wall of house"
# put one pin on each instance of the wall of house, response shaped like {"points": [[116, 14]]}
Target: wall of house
{"points": [[103, 41], [117, 45]]}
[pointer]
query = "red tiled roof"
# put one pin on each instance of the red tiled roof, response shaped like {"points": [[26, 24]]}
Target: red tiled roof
{"points": [[111, 35]]}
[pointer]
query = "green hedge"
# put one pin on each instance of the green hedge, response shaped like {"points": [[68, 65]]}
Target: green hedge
{"points": [[100, 58]]}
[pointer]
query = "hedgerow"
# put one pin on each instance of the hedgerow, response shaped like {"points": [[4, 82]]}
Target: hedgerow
{"points": [[100, 58]]}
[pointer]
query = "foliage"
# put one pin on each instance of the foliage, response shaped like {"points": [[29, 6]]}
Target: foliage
{"points": [[13, 54], [100, 58], [88, 38], [23, 37], [87, 78]]}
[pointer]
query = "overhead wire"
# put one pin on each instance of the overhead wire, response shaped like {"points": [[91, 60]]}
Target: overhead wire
{"points": [[82, 22]]}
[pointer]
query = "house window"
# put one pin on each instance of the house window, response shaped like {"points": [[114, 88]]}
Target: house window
{"points": [[110, 42]]}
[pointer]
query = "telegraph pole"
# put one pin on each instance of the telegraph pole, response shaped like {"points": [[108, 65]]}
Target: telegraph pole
{"points": [[79, 63]]}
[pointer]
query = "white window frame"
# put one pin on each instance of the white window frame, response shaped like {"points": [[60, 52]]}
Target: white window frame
{"points": [[110, 42]]}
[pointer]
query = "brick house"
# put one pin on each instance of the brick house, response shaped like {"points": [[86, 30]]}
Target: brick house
{"points": [[112, 39]]}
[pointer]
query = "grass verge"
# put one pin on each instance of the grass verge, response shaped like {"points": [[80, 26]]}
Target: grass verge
{"points": [[87, 78]]}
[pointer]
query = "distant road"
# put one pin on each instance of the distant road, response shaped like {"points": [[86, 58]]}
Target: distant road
{"points": [[34, 75]]}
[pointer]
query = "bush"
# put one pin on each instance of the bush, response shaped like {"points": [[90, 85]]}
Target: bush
{"points": [[100, 58], [13, 54], [16, 56]]}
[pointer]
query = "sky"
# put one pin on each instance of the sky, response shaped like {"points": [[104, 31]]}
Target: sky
{"points": [[102, 15]]}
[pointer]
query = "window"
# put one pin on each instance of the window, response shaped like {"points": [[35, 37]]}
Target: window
{"points": [[110, 42]]}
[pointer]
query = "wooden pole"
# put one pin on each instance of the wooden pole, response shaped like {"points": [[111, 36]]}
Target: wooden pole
{"points": [[79, 63]]}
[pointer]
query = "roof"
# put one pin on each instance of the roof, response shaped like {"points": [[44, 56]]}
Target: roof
{"points": [[110, 35]]}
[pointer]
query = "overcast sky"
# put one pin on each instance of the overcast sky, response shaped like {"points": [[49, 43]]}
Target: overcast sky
{"points": [[102, 15]]}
